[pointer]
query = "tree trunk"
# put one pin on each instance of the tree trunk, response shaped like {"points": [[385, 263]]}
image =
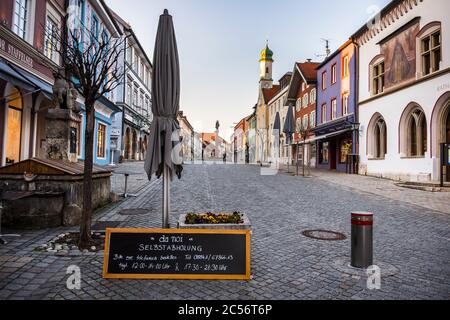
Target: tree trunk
{"points": [[303, 156], [86, 218]]}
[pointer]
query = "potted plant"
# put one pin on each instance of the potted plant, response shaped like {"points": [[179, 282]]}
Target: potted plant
{"points": [[209, 220]]}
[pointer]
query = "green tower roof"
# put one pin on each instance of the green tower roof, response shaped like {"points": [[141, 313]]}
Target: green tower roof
{"points": [[266, 54]]}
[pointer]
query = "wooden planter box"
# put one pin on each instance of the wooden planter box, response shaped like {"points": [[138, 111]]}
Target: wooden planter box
{"points": [[243, 226]]}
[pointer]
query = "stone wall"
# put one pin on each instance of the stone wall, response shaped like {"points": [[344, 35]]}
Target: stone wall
{"points": [[70, 186]]}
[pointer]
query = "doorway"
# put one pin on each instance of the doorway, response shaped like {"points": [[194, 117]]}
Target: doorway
{"points": [[447, 128], [333, 155], [127, 144]]}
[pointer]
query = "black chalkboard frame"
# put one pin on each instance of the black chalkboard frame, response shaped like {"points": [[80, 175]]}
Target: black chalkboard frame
{"points": [[244, 277]]}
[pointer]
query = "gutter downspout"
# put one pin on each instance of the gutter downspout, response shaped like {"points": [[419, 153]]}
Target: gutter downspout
{"points": [[357, 103], [122, 135]]}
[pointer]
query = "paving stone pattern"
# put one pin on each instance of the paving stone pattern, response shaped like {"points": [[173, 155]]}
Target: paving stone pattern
{"points": [[412, 240]]}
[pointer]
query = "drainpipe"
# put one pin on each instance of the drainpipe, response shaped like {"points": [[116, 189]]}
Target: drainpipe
{"points": [[356, 101]]}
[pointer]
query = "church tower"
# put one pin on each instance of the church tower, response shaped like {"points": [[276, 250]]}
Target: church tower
{"points": [[265, 63]]}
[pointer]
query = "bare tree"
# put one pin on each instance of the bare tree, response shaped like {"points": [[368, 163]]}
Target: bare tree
{"points": [[91, 65]]}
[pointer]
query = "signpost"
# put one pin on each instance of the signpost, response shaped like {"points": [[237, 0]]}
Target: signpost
{"points": [[177, 254]]}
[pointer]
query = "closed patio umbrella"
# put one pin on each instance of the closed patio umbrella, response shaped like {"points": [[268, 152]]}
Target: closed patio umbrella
{"points": [[289, 127], [277, 130], [166, 104]]}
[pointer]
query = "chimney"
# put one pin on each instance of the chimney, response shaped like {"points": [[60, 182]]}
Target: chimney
{"points": [[308, 60]]}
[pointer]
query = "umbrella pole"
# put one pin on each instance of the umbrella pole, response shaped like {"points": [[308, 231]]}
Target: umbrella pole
{"points": [[166, 197]]}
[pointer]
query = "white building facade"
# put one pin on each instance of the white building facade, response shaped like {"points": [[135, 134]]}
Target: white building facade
{"points": [[404, 91], [279, 104], [131, 127]]}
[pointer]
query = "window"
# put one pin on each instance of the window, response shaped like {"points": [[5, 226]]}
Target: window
{"points": [[345, 104], [95, 27], [324, 152], [136, 63], [298, 125], [147, 107], [345, 150], [431, 53], [324, 80], [142, 70], [324, 113], [417, 134], [305, 100], [333, 74], [79, 138], [76, 13], [312, 97], [312, 119], [333, 109], [21, 17], [141, 101], [14, 127], [149, 79], [129, 92], [51, 33], [130, 55], [378, 140], [298, 104], [346, 66], [101, 141], [305, 123], [135, 97], [378, 78]]}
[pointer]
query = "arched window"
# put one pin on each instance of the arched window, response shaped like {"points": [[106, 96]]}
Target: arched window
{"points": [[377, 138], [381, 139], [376, 72], [417, 134], [413, 132]]}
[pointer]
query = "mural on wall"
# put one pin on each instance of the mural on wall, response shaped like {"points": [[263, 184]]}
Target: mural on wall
{"points": [[400, 56]]}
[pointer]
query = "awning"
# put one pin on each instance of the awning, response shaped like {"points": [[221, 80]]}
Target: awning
{"points": [[9, 75], [24, 79], [326, 136]]}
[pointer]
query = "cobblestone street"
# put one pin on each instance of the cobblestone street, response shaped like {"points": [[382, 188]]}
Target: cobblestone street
{"points": [[412, 240]]}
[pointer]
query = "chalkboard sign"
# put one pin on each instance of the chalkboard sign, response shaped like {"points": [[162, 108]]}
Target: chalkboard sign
{"points": [[177, 254]]}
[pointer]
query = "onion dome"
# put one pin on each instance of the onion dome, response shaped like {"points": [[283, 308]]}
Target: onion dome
{"points": [[266, 54]]}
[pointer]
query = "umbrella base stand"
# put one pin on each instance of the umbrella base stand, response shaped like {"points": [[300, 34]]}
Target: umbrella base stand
{"points": [[166, 198], [2, 236]]}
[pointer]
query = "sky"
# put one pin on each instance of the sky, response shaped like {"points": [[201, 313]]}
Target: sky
{"points": [[219, 42]]}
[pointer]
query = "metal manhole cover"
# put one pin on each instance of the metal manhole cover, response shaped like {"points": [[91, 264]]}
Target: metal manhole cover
{"points": [[324, 235], [134, 212], [103, 225]]}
